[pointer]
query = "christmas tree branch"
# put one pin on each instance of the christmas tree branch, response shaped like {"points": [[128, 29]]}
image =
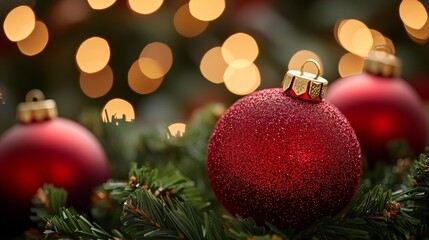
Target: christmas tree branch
{"points": [[47, 202], [69, 225], [167, 184]]}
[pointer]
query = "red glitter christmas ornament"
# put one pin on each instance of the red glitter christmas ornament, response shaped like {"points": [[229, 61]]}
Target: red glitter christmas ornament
{"points": [[285, 156], [381, 107], [44, 148]]}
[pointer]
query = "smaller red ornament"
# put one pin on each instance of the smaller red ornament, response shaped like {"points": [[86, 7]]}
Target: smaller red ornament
{"points": [[44, 148], [381, 107], [284, 156]]}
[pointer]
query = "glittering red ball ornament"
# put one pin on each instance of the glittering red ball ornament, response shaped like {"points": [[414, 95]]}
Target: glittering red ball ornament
{"points": [[381, 107], [41, 149], [284, 157]]}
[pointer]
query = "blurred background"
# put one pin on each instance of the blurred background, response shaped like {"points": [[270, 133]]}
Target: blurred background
{"points": [[155, 61]]}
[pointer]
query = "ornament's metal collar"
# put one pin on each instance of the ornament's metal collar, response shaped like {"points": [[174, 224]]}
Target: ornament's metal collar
{"points": [[305, 85], [381, 61], [36, 108]]}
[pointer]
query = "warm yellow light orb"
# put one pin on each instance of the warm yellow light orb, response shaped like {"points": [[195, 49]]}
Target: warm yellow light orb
{"points": [[240, 46], [161, 59], [97, 84], [242, 81], [186, 24], [176, 130], [93, 55], [139, 82], [350, 64], [206, 10], [413, 13], [355, 37], [19, 23], [213, 65], [118, 109], [145, 6], [36, 41]]}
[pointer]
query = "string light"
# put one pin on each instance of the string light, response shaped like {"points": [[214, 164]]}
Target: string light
{"points": [[97, 84], [176, 130], [186, 24], [350, 64], [36, 41], [413, 13], [139, 82], [355, 37], [158, 56], [19, 23], [100, 4], [93, 55], [117, 110], [213, 66], [244, 80], [240, 46], [145, 7], [206, 10]]}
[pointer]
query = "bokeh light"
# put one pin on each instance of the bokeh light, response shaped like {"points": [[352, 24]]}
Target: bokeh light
{"points": [[377, 37], [186, 24], [117, 110], [350, 64], [100, 4], [145, 6], [413, 13], [97, 84], [206, 10], [298, 59], [213, 66], [419, 35], [161, 59], [36, 41], [176, 130], [151, 68], [93, 55], [19, 23], [355, 37], [244, 80], [240, 46], [139, 82]]}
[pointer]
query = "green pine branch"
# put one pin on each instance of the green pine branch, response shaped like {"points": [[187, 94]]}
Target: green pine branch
{"points": [[167, 183], [372, 214], [47, 202]]}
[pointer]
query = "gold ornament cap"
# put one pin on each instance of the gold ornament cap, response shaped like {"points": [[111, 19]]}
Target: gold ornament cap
{"points": [[381, 61], [304, 85], [36, 108]]}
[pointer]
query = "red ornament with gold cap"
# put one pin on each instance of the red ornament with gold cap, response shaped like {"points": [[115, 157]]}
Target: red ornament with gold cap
{"points": [[43, 148], [382, 108], [285, 156]]}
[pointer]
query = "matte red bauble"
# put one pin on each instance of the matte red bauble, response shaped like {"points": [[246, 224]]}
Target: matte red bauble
{"points": [[381, 107], [43, 149], [284, 156]]}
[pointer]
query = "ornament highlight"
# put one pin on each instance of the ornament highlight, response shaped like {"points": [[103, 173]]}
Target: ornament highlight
{"points": [[285, 156], [44, 148], [381, 107]]}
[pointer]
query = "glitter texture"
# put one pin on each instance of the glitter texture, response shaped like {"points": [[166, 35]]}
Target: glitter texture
{"points": [[283, 160]]}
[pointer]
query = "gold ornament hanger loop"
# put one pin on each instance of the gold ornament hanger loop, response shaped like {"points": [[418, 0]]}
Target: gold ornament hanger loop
{"points": [[36, 108], [34, 95], [381, 47], [382, 62], [311, 60], [305, 85]]}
